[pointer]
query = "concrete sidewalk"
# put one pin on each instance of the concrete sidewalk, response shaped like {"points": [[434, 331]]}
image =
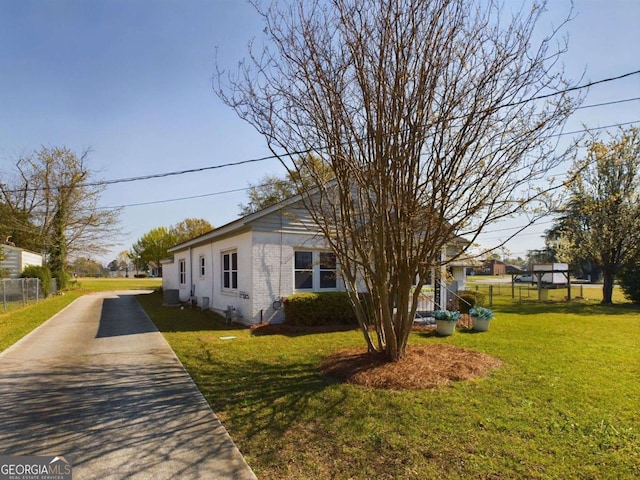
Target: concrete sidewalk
{"points": [[98, 384]]}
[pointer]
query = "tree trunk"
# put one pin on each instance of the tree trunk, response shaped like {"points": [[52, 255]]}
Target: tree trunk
{"points": [[607, 288]]}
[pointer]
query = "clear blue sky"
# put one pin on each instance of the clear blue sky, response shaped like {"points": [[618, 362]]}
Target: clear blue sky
{"points": [[131, 79]]}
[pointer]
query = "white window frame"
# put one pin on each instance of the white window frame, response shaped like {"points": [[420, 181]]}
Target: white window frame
{"points": [[182, 271], [316, 269], [202, 262], [229, 273]]}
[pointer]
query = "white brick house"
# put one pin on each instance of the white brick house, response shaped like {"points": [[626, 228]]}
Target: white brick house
{"points": [[252, 263]]}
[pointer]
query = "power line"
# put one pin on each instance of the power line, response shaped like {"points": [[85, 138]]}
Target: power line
{"points": [[168, 200], [608, 103], [573, 89], [211, 194], [311, 150]]}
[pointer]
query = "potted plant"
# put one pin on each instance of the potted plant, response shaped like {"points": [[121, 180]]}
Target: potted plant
{"points": [[481, 317], [446, 321]]}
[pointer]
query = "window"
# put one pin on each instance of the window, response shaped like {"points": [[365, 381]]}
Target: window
{"points": [[230, 270], [327, 270], [183, 271], [202, 264], [303, 271], [315, 271]]}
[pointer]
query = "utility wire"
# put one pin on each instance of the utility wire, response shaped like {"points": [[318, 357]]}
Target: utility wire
{"points": [[211, 194], [608, 103], [311, 150]]}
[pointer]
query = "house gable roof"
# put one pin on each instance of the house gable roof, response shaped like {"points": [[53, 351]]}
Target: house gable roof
{"points": [[235, 227]]}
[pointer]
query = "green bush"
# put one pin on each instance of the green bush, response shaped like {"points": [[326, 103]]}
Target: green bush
{"points": [[43, 273], [469, 299], [313, 309], [629, 280]]}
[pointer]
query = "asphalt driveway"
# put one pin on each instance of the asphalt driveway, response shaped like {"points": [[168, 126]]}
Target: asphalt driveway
{"points": [[98, 384]]}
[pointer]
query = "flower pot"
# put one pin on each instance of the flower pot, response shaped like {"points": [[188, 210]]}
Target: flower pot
{"points": [[445, 327], [480, 324]]}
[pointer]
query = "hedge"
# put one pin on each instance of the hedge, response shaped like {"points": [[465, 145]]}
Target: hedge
{"points": [[43, 273], [313, 309]]}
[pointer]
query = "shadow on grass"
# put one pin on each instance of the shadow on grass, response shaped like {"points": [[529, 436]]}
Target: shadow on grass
{"points": [[575, 307], [176, 319], [259, 397]]}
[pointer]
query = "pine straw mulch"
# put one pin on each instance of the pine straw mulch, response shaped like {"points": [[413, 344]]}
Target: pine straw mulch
{"points": [[425, 366]]}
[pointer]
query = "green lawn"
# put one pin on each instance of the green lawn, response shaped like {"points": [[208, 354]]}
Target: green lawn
{"points": [[16, 323], [564, 405]]}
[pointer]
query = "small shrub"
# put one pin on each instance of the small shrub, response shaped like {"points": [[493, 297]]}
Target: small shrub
{"points": [[469, 299], [314, 309], [448, 315], [43, 273], [140, 275], [629, 280]]}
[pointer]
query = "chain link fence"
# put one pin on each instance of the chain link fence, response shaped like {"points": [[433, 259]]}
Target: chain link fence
{"points": [[523, 292], [17, 292]]}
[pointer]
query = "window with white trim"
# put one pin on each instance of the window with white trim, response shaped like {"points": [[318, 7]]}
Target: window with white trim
{"points": [[314, 270], [202, 266], [230, 270], [182, 269]]}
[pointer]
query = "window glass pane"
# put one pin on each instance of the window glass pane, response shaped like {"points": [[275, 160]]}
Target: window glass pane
{"points": [[234, 279], [303, 280], [225, 260], [234, 261], [327, 261], [327, 279], [226, 283], [303, 260]]}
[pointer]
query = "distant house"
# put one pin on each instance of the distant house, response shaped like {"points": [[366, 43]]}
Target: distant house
{"points": [[245, 268], [16, 259], [494, 267]]}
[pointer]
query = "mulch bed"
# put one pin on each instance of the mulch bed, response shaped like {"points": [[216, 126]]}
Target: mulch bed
{"points": [[425, 366]]}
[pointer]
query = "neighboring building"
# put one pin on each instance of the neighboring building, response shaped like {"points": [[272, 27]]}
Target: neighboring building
{"points": [[494, 267], [16, 259], [249, 265], [515, 269]]}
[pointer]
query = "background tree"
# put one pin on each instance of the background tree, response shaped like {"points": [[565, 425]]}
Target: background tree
{"points": [[53, 190], [190, 228], [17, 228], [600, 221], [269, 190], [122, 263], [424, 112], [629, 279], [85, 267], [272, 189], [152, 247]]}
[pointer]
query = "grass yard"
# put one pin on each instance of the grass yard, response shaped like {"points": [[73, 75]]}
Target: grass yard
{"points": [[16, 323], [109, 284], [563, 405]]}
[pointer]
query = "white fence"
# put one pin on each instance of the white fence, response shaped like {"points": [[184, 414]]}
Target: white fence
{"points": [[17, 292]]}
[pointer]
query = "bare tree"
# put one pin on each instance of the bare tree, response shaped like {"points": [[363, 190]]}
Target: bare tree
{"points": [[53, 189], [427, 113]]}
